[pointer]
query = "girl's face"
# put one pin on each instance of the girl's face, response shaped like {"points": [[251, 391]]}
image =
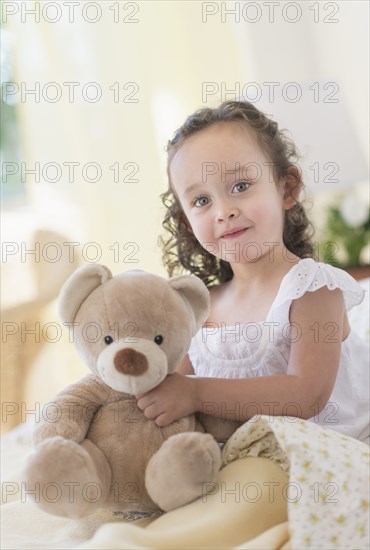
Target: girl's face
{"points": [[225, 185]]}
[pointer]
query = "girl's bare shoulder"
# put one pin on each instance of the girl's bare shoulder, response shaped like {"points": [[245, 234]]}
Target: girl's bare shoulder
{"points": [[218, 291], [218, 295]]}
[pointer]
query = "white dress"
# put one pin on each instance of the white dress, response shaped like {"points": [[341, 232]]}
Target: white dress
{"points": [[263, 348]]}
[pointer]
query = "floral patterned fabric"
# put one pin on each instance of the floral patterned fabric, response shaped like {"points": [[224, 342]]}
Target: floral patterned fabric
{"points": [[328, 490]]}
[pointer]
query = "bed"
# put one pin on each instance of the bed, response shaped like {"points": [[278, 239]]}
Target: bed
{"points": [[286, 483]]}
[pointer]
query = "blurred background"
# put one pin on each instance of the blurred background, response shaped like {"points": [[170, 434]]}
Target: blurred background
{"points": [[92, 91]]}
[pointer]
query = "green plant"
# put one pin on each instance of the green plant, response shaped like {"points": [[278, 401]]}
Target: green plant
{"points": [[348, 227]]}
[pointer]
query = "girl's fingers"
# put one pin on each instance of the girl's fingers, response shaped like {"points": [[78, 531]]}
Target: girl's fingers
{"points": [[163, 420], [152, 411], [145, 401]]}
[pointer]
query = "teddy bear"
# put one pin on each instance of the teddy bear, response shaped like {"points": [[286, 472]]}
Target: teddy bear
{"points": [[95, 448]]}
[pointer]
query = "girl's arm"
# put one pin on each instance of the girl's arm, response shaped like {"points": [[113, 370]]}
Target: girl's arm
{"points": [[312, 369], [302, 392]]}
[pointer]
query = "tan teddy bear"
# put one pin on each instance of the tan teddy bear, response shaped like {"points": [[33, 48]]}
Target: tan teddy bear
{"points": [[99, 450]]}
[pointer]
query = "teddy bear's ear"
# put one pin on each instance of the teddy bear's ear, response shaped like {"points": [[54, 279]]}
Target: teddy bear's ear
{"points": [[196, 296], [78, 287]]}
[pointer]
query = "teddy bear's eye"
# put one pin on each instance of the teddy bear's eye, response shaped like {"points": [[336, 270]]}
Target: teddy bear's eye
{"points": [[108, 340], [158, 339]]}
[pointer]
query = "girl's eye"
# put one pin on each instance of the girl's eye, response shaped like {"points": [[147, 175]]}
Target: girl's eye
{"points": [[241, 186], [200, 201], [108, 340]]}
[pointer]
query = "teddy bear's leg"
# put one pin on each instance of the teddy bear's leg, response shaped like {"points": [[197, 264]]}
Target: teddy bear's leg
{"points": [[180, 470], [69, 479]]}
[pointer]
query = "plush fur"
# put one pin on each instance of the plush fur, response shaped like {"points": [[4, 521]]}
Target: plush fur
{"points": [[95, 448]]}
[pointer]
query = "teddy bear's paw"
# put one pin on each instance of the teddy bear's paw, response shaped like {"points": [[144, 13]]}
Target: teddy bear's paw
{"points": [[65, 479], [182, 469], [47, 430]]}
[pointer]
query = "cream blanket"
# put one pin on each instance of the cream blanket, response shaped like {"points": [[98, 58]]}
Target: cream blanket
{"points": [[286, 483]]}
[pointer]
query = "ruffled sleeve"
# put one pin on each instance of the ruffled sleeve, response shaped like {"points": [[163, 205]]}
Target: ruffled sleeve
{"points": [[308, 275]]}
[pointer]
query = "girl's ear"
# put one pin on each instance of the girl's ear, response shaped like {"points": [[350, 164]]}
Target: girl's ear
{"points": [[186, 223], [188, 227], [292, 185]]}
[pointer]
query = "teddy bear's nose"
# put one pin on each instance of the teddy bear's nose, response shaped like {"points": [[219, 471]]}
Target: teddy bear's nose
{"points": [[131, 362]]}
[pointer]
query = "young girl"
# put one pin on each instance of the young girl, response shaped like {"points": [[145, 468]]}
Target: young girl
{"points": [[277, 340]]}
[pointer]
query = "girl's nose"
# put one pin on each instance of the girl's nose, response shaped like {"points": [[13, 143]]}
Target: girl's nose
{"points": [[226, 213]]}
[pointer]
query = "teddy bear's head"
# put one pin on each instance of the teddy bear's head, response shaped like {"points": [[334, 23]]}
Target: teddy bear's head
{"points": [[135, 328]]}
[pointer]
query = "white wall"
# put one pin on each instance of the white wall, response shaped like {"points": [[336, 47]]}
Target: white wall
{"points": [[328, 46]]}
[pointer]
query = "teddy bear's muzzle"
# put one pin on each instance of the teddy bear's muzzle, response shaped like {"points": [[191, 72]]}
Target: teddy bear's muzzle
{"points": [[131, 362], [133, 368]]}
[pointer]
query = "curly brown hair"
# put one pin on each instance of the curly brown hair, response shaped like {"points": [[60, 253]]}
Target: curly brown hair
{"points": [[181, 249]]}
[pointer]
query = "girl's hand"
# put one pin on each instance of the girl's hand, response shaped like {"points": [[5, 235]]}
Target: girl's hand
{"points": [[174, 398]]}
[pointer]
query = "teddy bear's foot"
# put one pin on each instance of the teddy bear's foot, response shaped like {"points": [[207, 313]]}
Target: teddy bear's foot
{"points": [[68, 479], [180, 470]]}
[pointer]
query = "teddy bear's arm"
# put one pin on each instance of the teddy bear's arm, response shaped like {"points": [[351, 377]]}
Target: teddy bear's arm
{"points": [[71, 412]]}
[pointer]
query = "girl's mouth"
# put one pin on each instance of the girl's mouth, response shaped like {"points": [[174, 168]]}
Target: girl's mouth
{"points": [[235, 234]]}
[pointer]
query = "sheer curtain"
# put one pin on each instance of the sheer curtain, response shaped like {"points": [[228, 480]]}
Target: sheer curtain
{"points": [[149, 70]]}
